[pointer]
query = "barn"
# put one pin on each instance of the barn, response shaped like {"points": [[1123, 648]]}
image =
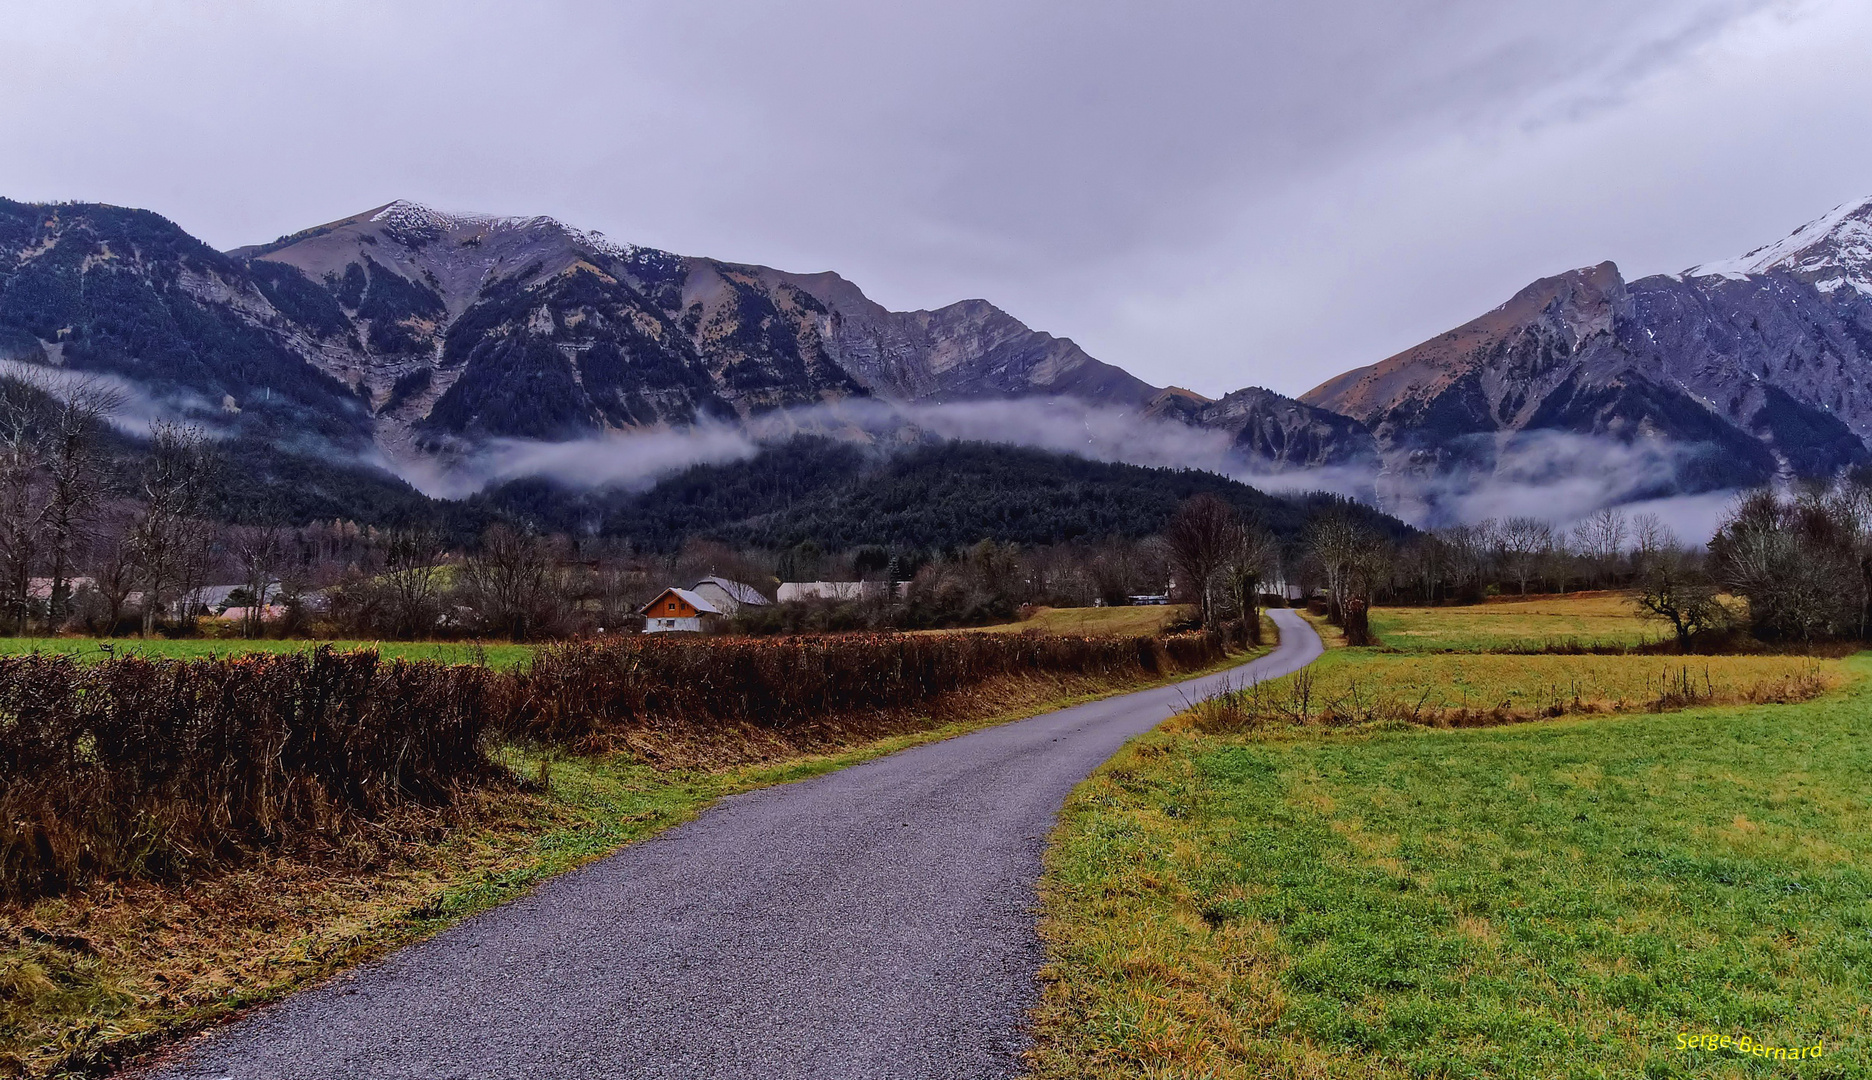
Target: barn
{"points": [[729, 597], [679, 609]]}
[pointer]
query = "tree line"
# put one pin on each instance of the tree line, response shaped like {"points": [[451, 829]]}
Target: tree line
{"points": [[94, 540]]}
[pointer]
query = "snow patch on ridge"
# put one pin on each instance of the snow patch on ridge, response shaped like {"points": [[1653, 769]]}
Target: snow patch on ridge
{"points": [[1837, 245], [404, 216]]}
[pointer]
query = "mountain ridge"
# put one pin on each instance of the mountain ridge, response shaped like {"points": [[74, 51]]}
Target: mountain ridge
{"points": [[409, 335], [1760, 361]]}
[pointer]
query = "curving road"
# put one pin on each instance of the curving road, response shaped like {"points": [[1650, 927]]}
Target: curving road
{"points": [[874, 922]]}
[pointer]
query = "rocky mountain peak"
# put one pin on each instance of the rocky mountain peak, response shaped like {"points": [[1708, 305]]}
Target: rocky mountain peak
{"points": [[1555, 315], [1830, 253], [415, 224]]}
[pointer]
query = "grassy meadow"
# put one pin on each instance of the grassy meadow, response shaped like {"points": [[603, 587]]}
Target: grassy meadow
{"points": [[1096, 621], [1560, 898], [1465, 689], [1588, 619]]}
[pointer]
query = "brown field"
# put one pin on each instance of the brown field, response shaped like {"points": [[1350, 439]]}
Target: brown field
{"points": [[1099, 621], [1585, 619], [1364, 686]]}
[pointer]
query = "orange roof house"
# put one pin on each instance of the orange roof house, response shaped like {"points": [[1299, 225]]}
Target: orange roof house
{"points": [[678, 609]]}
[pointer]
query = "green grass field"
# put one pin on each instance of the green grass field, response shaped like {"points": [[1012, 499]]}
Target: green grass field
{"points": [[1592, 619], [1553, 899], [93, 649]]}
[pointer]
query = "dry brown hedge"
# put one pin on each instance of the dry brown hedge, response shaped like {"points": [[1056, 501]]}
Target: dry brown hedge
{"points": [[165, 767], [144, 767], [575, 690]]}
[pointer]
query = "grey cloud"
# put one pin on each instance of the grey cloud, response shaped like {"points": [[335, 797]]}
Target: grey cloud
{"points": [[137, 405], [1556, 476], [632, 461]]}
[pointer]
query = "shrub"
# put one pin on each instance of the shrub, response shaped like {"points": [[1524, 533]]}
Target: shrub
{"points": [[164, 768], [155, 768], [576, 690]]}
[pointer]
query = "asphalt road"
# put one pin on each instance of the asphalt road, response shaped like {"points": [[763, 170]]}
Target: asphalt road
{"points": [[877, 922]]}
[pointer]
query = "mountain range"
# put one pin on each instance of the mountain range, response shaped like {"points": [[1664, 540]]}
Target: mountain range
{"points": [[409, 340]]}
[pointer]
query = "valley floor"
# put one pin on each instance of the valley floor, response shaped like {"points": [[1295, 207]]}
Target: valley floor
{"points": [[91, 978], [1232, 897]]}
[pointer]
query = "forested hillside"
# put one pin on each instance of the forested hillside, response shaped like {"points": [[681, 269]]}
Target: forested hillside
{"points": [[936, 497]]}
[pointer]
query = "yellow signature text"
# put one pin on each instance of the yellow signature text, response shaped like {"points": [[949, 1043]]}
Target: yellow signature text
{"points": [[1745, 1045]]}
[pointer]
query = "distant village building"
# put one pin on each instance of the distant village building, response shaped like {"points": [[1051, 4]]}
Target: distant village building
{"points": [[795, 591], [40, 588], [729, 597], [679, 609], [266, 614]]}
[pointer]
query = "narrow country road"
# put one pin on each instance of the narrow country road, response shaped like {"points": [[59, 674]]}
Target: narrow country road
{"points": [[877, 922]]}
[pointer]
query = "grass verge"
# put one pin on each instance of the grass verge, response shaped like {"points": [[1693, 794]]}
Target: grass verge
{"points": [[92, 978], [1560, 899]]}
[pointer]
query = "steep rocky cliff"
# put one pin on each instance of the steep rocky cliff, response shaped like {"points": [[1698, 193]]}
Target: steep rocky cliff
{"points": [[1755, 368]]}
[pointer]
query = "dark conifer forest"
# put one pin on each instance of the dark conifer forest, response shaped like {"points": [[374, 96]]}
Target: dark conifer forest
{"points": [[941, 496]]}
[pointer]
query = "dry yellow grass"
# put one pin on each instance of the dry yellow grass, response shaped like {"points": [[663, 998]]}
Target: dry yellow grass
{"points": [[1358, 685], [1123, 621], [1600, 618]]}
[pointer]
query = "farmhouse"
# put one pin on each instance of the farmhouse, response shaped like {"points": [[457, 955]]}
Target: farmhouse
{"points": [[792, 592], [729, 597], [679, 609]]}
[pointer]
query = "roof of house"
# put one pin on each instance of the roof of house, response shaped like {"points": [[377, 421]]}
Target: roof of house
{"points": [[687, 597], [738, 592]]}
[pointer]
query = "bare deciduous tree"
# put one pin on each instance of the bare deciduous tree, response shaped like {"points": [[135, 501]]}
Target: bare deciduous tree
{"points": [[1600, 540], [169, 537], [1251, 557], [1649, 537], [1674, 588], [259, 556], [508, 582], [1797, 562], [21, 461], [1523, 542], [76, 484], [412, 580], [1198, 539], [51, 484], [1353, 559]]}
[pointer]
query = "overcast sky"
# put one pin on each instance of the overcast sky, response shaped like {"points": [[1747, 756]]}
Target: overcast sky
{"points": [[1209, 194]]}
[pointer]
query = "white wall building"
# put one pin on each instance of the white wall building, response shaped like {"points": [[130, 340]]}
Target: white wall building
{"points": [[794, 591], [728, 596]]}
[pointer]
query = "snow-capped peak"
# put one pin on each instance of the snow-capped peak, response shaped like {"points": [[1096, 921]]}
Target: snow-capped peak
{"points": [[404, 216], [1831, 251]]}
